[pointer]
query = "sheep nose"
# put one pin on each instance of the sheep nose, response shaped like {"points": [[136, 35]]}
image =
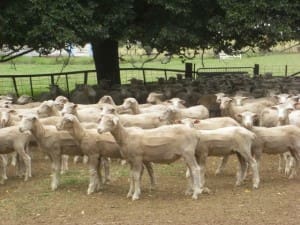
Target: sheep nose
{"points": [[99, 130], [20, 129]]}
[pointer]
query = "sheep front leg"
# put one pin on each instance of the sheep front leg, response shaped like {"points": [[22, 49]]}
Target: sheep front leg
{"points": [[95, 184], [242, 170], [195, 172], [222, 165], [280, 163], [4, 159], [56, 165], [295, 167], [136, 173]]}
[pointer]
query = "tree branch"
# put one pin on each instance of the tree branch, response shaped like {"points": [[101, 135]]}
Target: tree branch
{"points": [[10, 56]]}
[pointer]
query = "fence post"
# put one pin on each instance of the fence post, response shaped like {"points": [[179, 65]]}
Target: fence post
{"points": [[256, 70], [85, 77], [31, 88], [144, 76], [166, 76], [15, 85], [52, 79], [286, 70], [188, 70], [67, 83]]}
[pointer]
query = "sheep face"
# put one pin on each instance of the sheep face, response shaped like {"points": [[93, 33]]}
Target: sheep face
{"points": [[69, 108], [283, 110], [66, 123], [60, 101], [128, 103], [225, 101], [219, 97], [106, 99], [177, 102], [282, 98], [247, 119], [239, 100], [5, 117], [153, 98], [27, 123], [107, 123], [108, 109], [45, 108]]}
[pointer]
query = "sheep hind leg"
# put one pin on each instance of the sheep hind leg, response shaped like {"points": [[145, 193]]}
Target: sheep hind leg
{"points": [[222, 165], [27, 161], [280, 163], [196, 170], [105, 163], [64, 164], [150, 171], [295, 167]]}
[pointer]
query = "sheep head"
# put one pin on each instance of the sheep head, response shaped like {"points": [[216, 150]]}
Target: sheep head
{"points": [[107, 123], [27, 122]]}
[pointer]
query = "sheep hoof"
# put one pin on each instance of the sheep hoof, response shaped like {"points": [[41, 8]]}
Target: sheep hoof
{"points": [[129, 195], [218, 172], [135, 197], [5, 177], [195, 196], [188, 191], [205, 190]]}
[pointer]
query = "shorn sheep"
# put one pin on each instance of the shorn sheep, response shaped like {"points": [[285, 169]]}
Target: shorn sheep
{"points": [[54, 143], [12, 140], [95, 146], [273, 140], [165, 144]]}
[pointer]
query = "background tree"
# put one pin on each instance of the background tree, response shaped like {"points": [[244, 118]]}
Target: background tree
{"points": [[167, 25]]}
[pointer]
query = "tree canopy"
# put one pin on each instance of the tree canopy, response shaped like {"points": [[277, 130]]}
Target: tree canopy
{"points": [[167, 25]]}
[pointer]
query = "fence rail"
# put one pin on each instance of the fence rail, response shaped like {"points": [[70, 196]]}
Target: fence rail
{"points": [[35, 84]]}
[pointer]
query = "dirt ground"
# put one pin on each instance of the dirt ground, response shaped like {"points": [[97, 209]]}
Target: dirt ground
{"points": [[277, 201]]}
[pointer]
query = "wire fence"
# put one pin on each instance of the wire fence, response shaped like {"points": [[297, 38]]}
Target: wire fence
{"points": [[35, 84]]}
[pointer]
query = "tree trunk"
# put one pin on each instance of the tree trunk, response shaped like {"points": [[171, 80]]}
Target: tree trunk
{"points": [[106, 58]]}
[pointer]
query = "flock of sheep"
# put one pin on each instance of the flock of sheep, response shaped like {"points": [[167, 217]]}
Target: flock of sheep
{"points": [[160, 131]]}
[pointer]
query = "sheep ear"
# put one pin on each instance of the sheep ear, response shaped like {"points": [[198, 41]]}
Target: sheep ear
{"points": [[196, 121], [239, 115], [182, 102], [21, 116], [245, 97], [274, 107], [255, 116], [115, 120], [12, 111], [178, 121]]}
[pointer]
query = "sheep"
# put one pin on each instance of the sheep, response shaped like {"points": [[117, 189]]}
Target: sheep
{"points": [[193, 112], [145, 121], [160, 145], [84, 115], [242, 100], [273, 140], [229, 109], [223, 142], [12, 140], [131, 104], [5, 118], [155, 98], [54, 143], [94, 146], [211, 124]]}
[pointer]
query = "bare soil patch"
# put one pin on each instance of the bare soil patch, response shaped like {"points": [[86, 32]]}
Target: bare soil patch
{"points": [[277, 200]]}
